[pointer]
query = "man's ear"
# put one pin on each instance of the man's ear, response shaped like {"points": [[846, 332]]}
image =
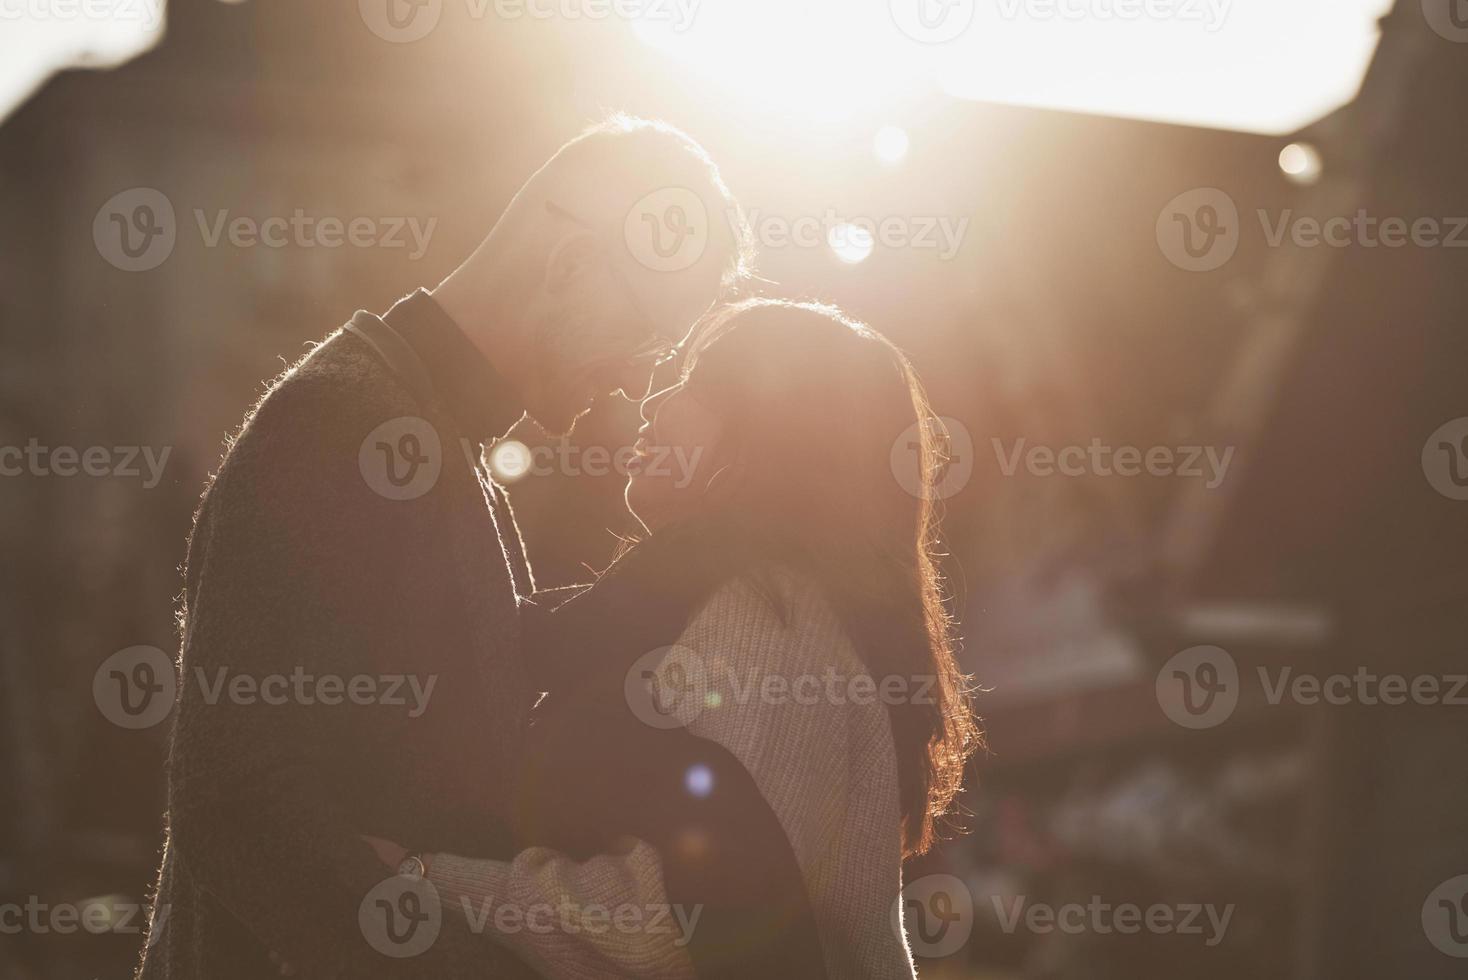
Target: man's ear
{"points": [[570, 259]]}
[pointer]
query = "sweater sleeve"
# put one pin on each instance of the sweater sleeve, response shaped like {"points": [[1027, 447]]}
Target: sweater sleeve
{"points": [[607, 917], [784, 692]]}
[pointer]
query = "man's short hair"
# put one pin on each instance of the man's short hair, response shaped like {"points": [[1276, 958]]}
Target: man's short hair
{"points": [[610, 166]]}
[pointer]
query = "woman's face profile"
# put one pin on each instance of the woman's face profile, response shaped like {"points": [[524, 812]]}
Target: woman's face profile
{"points": [[678, 451]]}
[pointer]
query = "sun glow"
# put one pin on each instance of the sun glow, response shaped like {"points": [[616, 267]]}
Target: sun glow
{"points": [[37, 39], [1258, 65], [820, 60], [852, 243], [890, 144]]}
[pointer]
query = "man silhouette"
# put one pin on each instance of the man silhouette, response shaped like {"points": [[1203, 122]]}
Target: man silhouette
{"points": [[349, 539]]}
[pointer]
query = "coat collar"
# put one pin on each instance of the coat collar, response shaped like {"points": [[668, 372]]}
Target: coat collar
{"points": [[476, 396]]}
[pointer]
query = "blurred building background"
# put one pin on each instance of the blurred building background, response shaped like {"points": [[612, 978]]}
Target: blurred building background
{"points": [[1325, 548]]}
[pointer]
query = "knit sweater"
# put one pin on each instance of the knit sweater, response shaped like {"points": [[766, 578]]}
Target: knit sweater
{"points": [[789, 698]]}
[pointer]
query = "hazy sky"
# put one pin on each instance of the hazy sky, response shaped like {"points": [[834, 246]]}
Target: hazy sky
{"points": [[37, 37], [1259, 65]]}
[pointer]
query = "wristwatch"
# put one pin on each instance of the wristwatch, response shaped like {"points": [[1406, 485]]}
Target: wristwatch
{"points": [[412, 866]]}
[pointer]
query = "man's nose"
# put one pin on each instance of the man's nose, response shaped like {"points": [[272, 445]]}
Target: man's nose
{"points": [[649, 408]]}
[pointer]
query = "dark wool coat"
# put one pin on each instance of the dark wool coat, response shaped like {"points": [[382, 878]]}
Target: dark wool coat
{"points": [[348, 533], [300, 561]]}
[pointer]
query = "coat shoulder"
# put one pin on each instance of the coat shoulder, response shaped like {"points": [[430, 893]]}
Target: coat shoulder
{"points": [[312, 417], [298, 448]]}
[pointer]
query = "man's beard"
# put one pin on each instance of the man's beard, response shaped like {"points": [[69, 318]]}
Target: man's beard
{"points": [[557, 423], [562, 394]]}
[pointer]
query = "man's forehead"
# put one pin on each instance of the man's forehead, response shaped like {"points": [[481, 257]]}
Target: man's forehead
{"points": [[676, 300]]}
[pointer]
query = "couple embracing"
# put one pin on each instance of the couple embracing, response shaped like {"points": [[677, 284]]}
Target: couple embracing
{"points": [[602, 784]]}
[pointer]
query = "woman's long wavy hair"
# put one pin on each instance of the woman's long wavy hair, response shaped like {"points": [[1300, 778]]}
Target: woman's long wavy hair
{"points": [[836, 453]]}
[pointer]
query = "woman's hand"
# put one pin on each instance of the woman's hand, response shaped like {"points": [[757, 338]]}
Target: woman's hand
{"points": [[392, 854], [387, 852]]}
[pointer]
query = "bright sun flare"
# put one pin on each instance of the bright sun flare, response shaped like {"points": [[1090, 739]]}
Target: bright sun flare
{"points": [[1258, 65]]}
